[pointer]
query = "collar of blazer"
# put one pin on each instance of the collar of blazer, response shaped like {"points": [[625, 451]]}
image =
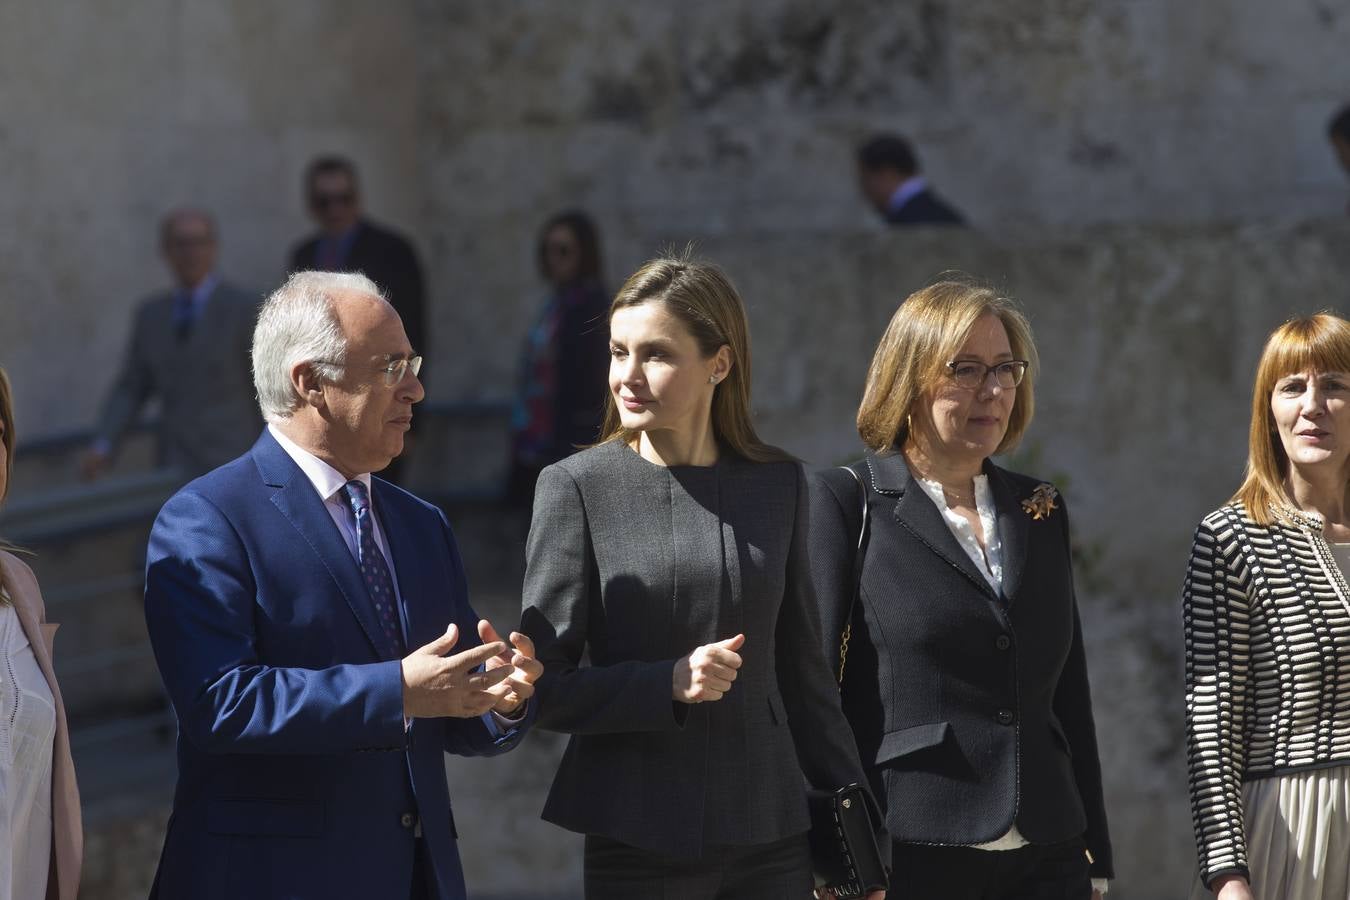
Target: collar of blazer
{"points": [[299, 502], [917, 513]]}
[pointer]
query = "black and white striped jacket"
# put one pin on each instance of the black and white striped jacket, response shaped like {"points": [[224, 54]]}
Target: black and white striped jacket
{"points": [[1267, 624]]}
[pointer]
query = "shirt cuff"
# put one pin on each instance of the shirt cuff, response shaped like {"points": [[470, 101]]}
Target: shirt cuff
{"points": [[1101, 885], [498, 724]]}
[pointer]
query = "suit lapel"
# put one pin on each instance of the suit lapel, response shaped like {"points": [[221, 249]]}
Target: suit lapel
{"points": [[915, 512], [300, 504], [1013, 529]]}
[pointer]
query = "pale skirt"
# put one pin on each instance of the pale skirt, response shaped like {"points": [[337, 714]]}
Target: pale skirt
{"points": [[1298, 836]]}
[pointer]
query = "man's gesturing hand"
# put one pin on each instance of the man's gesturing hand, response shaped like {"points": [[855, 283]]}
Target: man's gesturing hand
{"points": [[435, 685], [707, 673], [525, 669]]}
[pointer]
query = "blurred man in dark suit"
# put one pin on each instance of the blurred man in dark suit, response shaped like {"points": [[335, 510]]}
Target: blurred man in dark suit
{"points": [[189, 348], [347, 241], [888, 173], [1338, 131]]}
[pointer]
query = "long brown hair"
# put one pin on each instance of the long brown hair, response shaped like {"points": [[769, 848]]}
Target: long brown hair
{"points": [[1319, 342], [928, 329], [704, 300], [7, 420]]}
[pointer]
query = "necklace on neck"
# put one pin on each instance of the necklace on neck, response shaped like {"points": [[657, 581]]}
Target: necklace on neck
{"points": [[967, 496], [954, 495]]}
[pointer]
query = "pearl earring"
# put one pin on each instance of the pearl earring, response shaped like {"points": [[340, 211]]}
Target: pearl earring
{"points": [[712, 379]]}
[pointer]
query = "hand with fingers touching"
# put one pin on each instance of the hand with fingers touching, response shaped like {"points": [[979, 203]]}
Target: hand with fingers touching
{"points": [[519, 658], [435, 685], [708, 672]]}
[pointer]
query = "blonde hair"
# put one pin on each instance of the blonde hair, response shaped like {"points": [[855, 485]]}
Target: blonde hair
{"points": [[1320, 343], [704, 300], [925, 333]]}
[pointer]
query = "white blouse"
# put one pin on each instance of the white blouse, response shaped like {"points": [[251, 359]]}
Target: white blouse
{"points": [[27, 730], [989, 561]]}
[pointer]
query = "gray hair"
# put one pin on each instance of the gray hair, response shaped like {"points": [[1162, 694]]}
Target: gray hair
{"points": [[299, 324]]}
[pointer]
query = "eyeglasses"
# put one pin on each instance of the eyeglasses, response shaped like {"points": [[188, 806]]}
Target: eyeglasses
{"points": [[971, 375], [324, 201], [394, 372]]}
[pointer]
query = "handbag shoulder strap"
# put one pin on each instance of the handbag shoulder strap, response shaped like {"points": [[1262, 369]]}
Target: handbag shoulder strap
{"points": [[855, 582]]}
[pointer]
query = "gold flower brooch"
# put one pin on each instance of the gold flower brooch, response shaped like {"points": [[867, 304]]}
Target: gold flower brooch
{"points": [[1041, 501]]}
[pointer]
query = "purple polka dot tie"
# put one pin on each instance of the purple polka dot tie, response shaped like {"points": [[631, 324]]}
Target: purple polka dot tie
{"points": [[374, 569]]}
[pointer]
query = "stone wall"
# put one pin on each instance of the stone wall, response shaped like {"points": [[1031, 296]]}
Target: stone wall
{"points": [[1151, 180], [473, 121]]}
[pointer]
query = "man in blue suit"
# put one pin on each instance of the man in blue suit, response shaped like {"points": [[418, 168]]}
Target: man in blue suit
{"points": [[300, 611]]}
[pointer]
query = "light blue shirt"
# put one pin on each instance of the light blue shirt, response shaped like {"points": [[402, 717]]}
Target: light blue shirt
{"points": [[910, 188]]}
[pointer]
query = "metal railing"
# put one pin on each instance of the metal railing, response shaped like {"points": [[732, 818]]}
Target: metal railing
{"points": [[69, 513]]}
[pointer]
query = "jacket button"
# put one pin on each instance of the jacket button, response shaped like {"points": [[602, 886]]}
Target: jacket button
{"points": [[1005, 717], [407, 820], [1003, 642]]}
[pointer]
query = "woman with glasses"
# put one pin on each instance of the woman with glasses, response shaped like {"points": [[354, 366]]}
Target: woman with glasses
{"points": [[1266, 612], [957, 638], [562, 367], [40, 838]]}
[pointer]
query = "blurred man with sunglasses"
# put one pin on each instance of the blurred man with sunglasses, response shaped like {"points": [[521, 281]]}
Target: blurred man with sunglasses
{"points": [[347, 241]]}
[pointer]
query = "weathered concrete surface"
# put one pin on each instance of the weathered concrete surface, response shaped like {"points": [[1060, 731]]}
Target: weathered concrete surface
{"points": [[112, 116], [1150, 179], [472, 121]]}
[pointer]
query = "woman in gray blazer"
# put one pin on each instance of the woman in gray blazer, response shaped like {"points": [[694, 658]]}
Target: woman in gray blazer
{"points": [[668, 594]]}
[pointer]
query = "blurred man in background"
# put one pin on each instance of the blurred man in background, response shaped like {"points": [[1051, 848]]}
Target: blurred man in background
{"points": [[347, 241], [1338, 131], [888, 173], [189, 349]]}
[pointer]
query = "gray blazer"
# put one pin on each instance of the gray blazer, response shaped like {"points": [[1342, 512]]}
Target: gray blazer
{"points": [[633, 565], [208, 414]]}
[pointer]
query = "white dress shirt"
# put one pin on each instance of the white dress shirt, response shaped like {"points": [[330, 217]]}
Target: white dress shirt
{"points": [[329, 482], [989, 561]]}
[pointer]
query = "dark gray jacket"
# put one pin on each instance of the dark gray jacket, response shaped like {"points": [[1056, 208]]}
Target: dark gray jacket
{"points": [[204, 383], [633, 565]]}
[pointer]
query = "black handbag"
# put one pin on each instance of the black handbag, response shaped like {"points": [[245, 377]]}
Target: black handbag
{"points": [[844, 855]]}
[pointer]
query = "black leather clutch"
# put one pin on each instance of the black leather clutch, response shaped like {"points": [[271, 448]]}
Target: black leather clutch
{"points": [[844, 853]]}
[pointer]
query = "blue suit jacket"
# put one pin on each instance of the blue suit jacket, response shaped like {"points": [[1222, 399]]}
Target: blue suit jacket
{"points": [[296, 778]]}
